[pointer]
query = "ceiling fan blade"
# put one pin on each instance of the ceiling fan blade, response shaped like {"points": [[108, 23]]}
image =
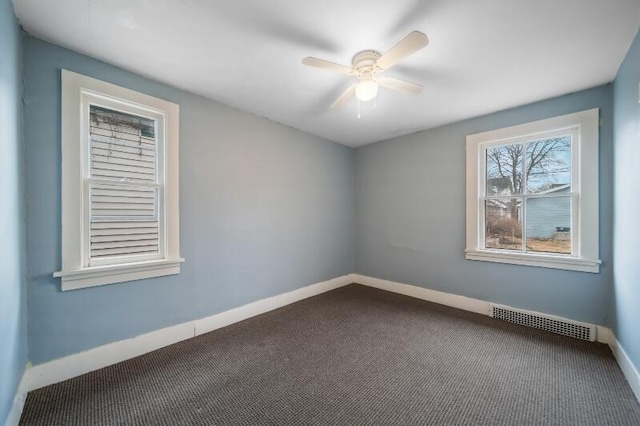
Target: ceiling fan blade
{"points": [[345, 96], [399, 85], [405, 47], [331, 66]]}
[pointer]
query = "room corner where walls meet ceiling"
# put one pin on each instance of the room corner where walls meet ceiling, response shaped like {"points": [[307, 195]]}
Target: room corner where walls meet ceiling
{"points": [[482, 56]]}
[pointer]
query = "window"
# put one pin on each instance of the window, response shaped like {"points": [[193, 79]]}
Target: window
{"points": [[532, 194], [119, 184]]}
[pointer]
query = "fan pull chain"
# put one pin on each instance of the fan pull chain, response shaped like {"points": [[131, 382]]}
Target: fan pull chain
{"points": [[358, 108]]}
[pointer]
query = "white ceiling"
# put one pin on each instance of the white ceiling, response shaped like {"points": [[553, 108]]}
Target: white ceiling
{"points": [[483, 56]]}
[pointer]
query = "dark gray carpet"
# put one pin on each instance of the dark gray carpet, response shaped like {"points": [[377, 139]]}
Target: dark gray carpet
{"points": [[354, 356]]}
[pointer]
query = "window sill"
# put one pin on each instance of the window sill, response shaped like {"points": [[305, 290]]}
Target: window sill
{"points": [[101, 275], [540, 260]]}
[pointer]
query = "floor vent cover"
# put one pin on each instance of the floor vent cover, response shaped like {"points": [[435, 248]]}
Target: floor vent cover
{"points": [[545, 322]]}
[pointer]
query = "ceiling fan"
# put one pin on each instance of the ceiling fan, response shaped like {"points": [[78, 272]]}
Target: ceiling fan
{"points": [[368, 66]]}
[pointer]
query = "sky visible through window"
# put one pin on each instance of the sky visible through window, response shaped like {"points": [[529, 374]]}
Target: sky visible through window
{"points": [[546, 163]]}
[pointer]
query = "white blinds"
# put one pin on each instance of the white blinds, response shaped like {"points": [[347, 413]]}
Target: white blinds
{"points": [[123, 185]]}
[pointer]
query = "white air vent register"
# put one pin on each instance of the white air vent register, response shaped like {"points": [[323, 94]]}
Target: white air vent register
{"points": [[550, 323]]}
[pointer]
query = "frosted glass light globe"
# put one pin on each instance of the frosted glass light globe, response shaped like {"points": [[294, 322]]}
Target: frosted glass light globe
{"points": [[366, 90]]}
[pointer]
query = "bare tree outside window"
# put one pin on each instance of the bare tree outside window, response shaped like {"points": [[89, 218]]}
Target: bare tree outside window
{"points": [[535, 174]]}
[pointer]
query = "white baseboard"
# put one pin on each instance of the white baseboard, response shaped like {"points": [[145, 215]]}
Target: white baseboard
{"points": [[442, 298], [214, 322], [628, 369], [603, 334], [77, 364], [80, 363], [455, 301], [18, 401]]}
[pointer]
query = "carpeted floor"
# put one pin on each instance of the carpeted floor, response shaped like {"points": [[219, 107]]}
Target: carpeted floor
{"points": [[354, 356]]}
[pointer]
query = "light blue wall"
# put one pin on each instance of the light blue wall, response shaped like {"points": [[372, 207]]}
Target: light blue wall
{"points": [[626, 219], [264, 209], [13, 324], [410, 217]]}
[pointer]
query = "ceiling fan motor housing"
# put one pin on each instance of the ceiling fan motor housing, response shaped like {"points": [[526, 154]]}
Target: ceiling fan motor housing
{"points": [[364, 64]]}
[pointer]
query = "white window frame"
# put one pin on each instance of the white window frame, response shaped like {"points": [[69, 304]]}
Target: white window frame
{"points": [[584, 128], [78, 92]]}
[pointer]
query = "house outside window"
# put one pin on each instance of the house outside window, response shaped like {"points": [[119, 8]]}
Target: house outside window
{"points": [[532, 194]]}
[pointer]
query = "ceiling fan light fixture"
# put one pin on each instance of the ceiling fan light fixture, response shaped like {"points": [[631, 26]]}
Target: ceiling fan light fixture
{"points": [[366, 90], [367, 66]]}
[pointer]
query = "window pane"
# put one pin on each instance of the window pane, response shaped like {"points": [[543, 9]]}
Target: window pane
{"points": [[504, 169], [549, 224], [503, 227], [123, 202], [123, 146], [128, 122], [548, 163]]}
